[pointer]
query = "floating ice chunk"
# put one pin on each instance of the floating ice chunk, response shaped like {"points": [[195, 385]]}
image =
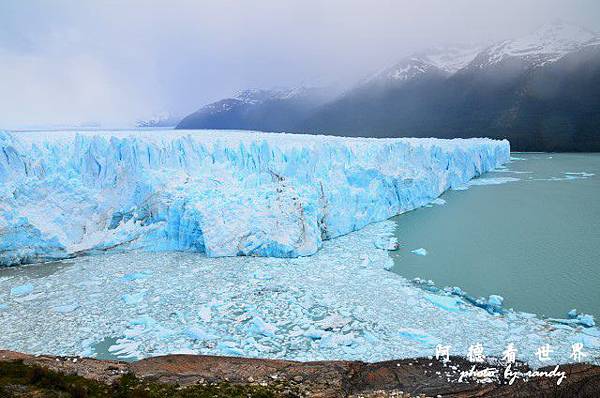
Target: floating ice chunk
{"points": [[419, 252], [258, 327], [365, 262], [579, 173], [494, 299], [144, 321], [313, 333], [586, 320], [492, 180], [387, 243], [591, 342], [334, 340], [229, 348], [125, 349], [335, 321], [196, 333], [262, 275], [22, 290], [460, 188], [205, 313], [136, 275], [370, 337], [448, 303], [580, 319], [185, 351], [439, 202], [133, 298], [505, 170], [572, 314], [516, 158], [63, 309], [457, 291], [419, 335]]}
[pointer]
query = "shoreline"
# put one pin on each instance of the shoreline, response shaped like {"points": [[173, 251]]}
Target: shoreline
{"points": [[418, 376]]}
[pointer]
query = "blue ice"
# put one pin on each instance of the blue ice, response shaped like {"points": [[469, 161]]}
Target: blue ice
{"points": [[22, 290], [419, 252]]}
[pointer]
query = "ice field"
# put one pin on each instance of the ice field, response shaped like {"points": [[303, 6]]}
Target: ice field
{"points": [[340, 303], [223, 193], [263, 245]]}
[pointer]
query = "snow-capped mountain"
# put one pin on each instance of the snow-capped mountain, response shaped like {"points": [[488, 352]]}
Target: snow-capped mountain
{"points": [[278, 108], [440, 60], [541, 91], [254, 96], [545, 45], [257, 95], [163, 119]]}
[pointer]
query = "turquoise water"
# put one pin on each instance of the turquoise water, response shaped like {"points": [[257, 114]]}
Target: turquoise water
{"points": [[535, 241]]}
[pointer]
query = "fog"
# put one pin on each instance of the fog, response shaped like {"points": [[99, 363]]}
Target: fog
{"points": [[112, 62]]}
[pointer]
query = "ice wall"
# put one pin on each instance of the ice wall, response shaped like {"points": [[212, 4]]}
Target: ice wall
{"points": [[225, 193]]}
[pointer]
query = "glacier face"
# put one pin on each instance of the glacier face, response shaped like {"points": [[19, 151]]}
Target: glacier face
{"points": [[224, 193]]}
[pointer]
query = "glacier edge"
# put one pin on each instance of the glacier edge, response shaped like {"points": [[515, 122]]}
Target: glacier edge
{"points": [[221, 193]]}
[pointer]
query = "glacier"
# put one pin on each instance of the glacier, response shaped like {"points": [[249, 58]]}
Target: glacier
{"points": [[222, 193]]}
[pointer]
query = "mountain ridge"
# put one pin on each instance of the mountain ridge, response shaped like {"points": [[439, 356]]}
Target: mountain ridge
{"points": [[541, 91]]}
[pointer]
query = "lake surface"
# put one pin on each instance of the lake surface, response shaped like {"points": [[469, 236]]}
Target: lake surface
{"points": [[535, 241]]}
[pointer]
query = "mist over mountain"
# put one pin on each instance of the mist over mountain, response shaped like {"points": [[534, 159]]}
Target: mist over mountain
{"points": [[269, 110], [163, 119], [541, 91]]}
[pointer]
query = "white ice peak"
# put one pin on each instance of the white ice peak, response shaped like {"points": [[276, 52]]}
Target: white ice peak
{"points": [[256, 95], [441, 60], [549, 43]]}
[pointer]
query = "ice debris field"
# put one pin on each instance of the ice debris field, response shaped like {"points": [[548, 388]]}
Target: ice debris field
{"points": [[222, 193], [191, 197], [340, 303]]}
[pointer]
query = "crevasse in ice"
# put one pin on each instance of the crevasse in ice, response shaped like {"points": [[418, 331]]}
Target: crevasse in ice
{"points": [[222, 193]]}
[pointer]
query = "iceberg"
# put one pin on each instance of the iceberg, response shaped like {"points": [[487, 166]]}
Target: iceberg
{"points": [[493, 180], [419, 336], [234, 193], [419, 252], [22, 290], [495, 299], [448, 303]]}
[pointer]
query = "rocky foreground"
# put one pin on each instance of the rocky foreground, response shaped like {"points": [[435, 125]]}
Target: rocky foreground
{"points": [[23, 375]]}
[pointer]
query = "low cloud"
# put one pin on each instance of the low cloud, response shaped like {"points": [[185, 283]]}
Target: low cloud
{"points": [[112, 62]]}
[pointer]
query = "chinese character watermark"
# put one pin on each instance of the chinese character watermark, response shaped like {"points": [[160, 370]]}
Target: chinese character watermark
{"points": [[577, 352], [543, 352], [475, 353], [442, 351], [510, 354]]}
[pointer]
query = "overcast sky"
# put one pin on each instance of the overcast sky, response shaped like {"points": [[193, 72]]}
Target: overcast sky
{"points": [[69, 62]]}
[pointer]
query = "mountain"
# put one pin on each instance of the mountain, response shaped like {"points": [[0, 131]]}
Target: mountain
{"points": [[541, 91], [267, 110], [164, 119], [547, 44], [441, 60]]}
